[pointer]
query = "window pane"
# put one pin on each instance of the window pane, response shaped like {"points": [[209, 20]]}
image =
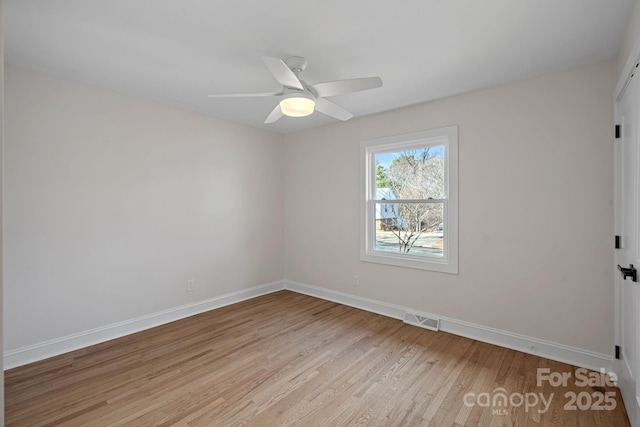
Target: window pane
{"points": [[411, 174], [410, 228]]}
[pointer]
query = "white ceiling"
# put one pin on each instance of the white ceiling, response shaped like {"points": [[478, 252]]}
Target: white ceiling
{"points": [[176, 52]]}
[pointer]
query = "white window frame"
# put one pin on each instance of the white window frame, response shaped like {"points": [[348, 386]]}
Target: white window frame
{"points": [[445, 136]]}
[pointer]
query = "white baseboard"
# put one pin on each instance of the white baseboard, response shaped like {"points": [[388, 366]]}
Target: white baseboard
{"points": [[550, 350], [43, 350], [554, 351]]}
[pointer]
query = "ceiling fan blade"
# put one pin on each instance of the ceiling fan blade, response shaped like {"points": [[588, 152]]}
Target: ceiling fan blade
{"points": [[243, 95], [330, 109], [282, 73], [274, 115], [340, 87]]}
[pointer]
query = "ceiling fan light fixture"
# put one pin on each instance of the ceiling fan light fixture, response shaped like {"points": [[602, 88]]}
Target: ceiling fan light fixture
{"points": [[297, 106]]}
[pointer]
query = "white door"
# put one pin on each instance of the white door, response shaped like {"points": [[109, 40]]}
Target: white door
{"points": [[627, 291]]}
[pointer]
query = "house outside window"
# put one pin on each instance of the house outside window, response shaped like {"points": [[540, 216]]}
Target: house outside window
{"points": [[409, 204]]}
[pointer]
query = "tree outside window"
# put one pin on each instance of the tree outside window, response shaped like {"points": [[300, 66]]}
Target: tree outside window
{"points": [[412, 175]]}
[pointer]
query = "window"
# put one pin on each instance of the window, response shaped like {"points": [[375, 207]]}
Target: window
{"points": [[409, 207]]}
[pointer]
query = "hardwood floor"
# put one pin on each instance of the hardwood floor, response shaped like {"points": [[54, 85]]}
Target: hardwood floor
{"points": [[289, 359]]}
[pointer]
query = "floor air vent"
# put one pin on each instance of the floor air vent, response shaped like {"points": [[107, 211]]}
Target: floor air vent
{"points": [[422, 321]]}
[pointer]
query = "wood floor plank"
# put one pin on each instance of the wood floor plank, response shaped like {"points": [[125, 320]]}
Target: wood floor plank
{"points": [[287, 359]]}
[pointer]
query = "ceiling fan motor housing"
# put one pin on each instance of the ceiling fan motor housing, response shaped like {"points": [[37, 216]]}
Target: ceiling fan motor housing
{"points": [[296, 63]]}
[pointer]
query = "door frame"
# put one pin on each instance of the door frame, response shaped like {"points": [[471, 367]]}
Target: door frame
{"points": [[629, 71]]}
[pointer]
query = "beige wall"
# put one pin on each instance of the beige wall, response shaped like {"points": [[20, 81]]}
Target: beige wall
{"points": [[113, 202], [536, 209]]}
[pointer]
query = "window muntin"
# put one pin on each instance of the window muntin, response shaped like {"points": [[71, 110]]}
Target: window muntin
{"points": [[410, 203]]}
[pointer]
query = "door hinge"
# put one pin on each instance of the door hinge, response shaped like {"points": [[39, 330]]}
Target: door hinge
{"points": [[617, 242], [618, 352], [617, 131]]}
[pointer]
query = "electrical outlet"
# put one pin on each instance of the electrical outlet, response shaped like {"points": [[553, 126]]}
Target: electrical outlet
{"points": [[356, 280], [191, 285]]}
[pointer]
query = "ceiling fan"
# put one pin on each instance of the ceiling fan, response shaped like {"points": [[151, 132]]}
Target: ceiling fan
{"points": [[298, 99]]}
